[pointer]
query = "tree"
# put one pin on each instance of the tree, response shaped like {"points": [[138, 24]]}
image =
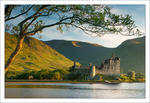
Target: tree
{"points": [[61, 72], [131, 75], [124, 77], [95, 20], [140, 75], [57, 76]]}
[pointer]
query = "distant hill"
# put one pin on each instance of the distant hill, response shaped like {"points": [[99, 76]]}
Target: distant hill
{"points": [[131, 52], [35, 55]]}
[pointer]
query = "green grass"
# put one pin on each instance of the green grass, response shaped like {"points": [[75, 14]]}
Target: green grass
{"points": [[35, 55], [70, 81]]}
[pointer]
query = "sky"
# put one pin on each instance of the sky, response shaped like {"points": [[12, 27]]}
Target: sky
{"points": [[109, 40]]}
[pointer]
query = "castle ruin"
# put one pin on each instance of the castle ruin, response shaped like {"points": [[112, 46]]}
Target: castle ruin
{"points": [[108, 67]]}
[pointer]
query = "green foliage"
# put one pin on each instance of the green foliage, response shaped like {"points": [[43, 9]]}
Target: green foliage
{"points": [[44, 74], [72, 76], [76, 76], [24, 75], [109, 77], [35, 55], [131, 75], [10, 75], [139, 75], [61, 73], [91, 19], [123, 77], [98, 77], [56, 76]]}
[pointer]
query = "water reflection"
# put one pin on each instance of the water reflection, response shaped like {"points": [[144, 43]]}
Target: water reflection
{"points": [[69, 90]]}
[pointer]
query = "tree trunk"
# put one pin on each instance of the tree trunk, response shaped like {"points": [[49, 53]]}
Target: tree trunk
{"points": [[15, 53]]}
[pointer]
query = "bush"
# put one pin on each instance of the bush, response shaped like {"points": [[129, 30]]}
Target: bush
{"points": [[110, 77], [40, 75], [74, 76], [139, 76], [98, 77], [10, 75], [56, 76], [124, 77], [60, 73], [131, 75]]}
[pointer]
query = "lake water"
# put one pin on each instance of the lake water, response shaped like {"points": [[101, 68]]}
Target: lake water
{"points": [[69, 90]]}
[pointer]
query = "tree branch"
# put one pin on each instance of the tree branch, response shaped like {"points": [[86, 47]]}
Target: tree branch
{"points": [[8, 10], [9, 18], [30, 17], [41, 28], [30, 23]]}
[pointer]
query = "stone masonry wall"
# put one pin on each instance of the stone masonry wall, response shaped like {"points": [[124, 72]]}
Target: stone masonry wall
{"points": [[108, 67]]}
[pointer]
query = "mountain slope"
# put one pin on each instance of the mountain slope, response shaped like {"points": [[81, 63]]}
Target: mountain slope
{"points": [[85, 52], [131, 52], [35, 55]]}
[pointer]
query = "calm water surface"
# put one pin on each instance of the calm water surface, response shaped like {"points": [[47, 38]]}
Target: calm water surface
{"points": [[69, 90]]}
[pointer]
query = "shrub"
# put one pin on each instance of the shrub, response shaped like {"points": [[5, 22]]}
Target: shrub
{"points": [[56, 76], [131, 75], [124, 77], [139, 76], [10, 75], [61, 72], [110, 77], [73, 76]]}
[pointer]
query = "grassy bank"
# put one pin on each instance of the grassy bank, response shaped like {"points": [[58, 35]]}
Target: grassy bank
{"points": [[69, 81]]}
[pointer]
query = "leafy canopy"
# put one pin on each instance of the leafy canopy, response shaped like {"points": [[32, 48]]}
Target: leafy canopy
{"points": [[95, 20]]}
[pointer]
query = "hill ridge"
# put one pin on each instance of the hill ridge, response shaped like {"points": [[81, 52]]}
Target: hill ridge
{"points": [[129, 51], [35, 55]]}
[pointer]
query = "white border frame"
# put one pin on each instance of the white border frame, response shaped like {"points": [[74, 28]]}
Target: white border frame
{"points": [[2, 89]]}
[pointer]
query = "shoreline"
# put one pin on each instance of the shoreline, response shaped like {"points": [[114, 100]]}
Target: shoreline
{"points": [[73, 82]]}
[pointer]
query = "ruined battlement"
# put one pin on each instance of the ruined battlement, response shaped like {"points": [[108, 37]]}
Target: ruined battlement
{"points": [[108, 67]]}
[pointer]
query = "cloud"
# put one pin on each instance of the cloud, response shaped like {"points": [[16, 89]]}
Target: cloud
{"points": [[108, 40], [75, 34], [113, 40], [49, 34], [116, 11]]}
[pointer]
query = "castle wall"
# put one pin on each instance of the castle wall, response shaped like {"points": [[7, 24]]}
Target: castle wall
{"points": [[108, 72], [92, 72], [108, 67]]}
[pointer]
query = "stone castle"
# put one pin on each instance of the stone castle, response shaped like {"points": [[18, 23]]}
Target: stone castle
{"points": [[108, 67]]}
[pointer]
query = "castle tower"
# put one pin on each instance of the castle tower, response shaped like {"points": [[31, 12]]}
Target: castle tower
{"points": [[73, 67], [113, 56], [92, 72], [90, 65], [110, 66]]}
